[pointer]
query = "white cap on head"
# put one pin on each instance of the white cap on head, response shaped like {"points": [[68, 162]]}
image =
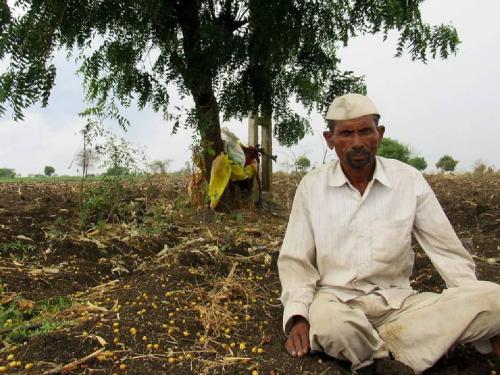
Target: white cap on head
{"points": [[351, 106]]}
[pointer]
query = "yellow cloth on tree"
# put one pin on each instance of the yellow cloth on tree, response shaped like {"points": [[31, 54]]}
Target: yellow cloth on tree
{"points": [[219, 178], [224, 170], [239, 173]]}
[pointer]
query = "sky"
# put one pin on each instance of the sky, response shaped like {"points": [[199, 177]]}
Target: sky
{"points": [[442, 107]]}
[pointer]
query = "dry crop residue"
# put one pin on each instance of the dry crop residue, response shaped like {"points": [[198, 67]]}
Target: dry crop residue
{"points": [[168, 289]]}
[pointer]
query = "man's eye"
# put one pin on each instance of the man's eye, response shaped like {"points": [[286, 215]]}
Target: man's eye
{"points": [[366, 131], [345, 133]]}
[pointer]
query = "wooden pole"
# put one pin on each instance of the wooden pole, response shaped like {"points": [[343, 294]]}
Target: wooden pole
{"points": [[267, 166], [253, 134]]}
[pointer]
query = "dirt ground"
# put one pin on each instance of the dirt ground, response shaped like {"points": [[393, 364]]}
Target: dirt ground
{"points": [[167, 289]]}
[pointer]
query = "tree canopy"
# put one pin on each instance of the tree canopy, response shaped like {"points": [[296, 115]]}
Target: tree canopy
{"points": [[418, 162], [7, 173], [391, 148], [48, 170], [233, 57], [446, 163], [302, 164]]}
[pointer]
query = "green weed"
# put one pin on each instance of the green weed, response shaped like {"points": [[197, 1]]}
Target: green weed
{"points": [[53, 305], [16, 248], [17, 325], [102, 203]]}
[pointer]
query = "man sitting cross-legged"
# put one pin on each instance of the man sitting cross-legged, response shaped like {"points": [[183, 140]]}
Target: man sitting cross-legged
{"points": [[346, 258]]}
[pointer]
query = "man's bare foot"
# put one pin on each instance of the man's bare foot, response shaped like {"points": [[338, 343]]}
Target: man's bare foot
{"points": [[495, 345]]}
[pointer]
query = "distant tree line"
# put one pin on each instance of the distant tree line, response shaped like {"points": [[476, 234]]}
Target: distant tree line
{"points": [[7, 173], [390, 148]]}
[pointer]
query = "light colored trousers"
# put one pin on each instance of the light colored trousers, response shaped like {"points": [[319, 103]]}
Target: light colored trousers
{"points": [[425, 328]]}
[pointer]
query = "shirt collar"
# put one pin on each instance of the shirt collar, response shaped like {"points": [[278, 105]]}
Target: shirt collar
{"points": [[337, 177], [380, 174]]}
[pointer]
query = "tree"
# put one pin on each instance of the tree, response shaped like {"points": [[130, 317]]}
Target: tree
{"points": [[117, 170], [233, 57], [7, 173], [446, 163], [418, 162], [48, 170], [390, 148], [160, 166], [302, 164], [86, 159], [119, 156]]}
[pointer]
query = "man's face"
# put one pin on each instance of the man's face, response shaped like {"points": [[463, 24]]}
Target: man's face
{"points": [[355, 141]]}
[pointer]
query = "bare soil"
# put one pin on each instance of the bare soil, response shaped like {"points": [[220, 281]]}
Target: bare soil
{"points": [[168, 289]]}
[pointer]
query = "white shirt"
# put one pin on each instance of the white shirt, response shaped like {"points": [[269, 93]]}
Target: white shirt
{"points": [[352, 245]]}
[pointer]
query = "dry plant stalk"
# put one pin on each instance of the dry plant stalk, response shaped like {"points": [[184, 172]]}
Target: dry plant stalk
{"points": [[208, 366], [73, 365], [214, 318], [216, 315], [78, 310]]}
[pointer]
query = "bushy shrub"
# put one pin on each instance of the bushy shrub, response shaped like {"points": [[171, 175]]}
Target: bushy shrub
{"points": [[103, 203]]}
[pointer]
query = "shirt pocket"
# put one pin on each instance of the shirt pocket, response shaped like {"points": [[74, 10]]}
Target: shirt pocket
{"points": [[391, 241]]}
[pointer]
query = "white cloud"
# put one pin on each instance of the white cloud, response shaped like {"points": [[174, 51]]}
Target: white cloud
{"points": [[36, 142]]}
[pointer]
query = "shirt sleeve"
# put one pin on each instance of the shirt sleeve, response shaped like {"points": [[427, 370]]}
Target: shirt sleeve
{"points": [[438, 239], [297, 261]]}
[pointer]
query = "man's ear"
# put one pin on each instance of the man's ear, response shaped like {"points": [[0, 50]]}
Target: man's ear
{"points": [[381, 131], [328, 135]]}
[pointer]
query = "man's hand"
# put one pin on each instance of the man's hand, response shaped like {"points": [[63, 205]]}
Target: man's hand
{"points": [[297, 342]]}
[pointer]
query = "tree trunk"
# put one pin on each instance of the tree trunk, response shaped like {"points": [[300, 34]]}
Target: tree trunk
{"points": [[198, 75], [209, 126]]}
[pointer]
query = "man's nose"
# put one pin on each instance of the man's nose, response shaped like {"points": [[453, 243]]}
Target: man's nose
{"points": [[356, 141]]}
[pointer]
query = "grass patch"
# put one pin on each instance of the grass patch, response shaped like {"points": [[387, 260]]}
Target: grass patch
{"points": [[16, 248], [18, 324]]}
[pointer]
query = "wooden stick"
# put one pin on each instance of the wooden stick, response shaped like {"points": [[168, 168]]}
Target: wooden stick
{"points": [[71, 366]]}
